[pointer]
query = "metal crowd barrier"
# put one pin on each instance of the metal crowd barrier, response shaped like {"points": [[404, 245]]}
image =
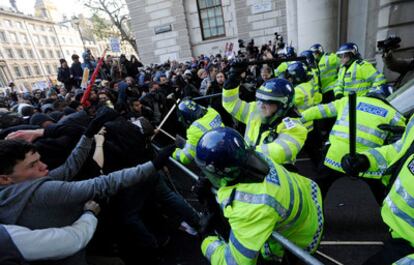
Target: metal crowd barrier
{"points": [[291, 247]]}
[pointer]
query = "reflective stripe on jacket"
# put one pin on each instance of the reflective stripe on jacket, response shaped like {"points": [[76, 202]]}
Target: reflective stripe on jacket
{"points": [[361, 77], [281, 144], [371, 112], [328, 69], [209, 121], [284, 202]]}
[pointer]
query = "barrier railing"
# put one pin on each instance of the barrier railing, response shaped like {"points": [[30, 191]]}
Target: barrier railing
{"points": [[291, 247]]}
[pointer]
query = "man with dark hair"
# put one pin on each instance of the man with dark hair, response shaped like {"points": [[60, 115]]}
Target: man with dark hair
{"points": [[34, 197]]}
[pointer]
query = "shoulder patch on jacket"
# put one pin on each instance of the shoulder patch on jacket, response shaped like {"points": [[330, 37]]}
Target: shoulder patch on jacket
{"points": [[216, 122], [289, 123], [365, 107]]}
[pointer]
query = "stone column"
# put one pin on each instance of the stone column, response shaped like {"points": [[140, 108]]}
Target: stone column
{"points": [[316, 23]]}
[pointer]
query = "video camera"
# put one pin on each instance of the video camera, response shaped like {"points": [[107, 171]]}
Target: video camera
{"points": [[390, 43]]}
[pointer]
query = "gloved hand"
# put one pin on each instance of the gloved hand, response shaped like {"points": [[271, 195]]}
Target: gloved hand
{"points": [[203, 190], [163, 156], [353, 165], [237, 68], [103, 115], [206, 225], [179, 141]]}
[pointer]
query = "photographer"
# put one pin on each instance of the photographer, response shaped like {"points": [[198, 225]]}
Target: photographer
{"points": [[404, 67]]}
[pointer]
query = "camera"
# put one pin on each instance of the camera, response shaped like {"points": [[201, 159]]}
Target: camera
{"points": [[390, 43]]}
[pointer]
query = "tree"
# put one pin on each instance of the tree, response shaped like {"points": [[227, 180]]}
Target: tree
{"points": [[117, 12]]}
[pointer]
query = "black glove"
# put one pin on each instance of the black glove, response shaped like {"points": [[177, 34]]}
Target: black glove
{"points": [[234, 79], [206, 225], [353, 165], [163, 156], [203, 190], [179, 141], [103, 115]]}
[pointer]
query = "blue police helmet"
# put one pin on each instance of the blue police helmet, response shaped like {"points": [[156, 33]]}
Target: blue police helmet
{"points": [[189, 111], [221, 154], [383, 91], [317, 48], [310, 59], [297, 71], [290, 52], [348, 47]]}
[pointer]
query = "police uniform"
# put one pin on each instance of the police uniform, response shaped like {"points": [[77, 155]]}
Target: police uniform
{"points": [[361, 77], [209, 121], [371, 112], [284, 202], [281, 141], [328, 69], [398, 208]]}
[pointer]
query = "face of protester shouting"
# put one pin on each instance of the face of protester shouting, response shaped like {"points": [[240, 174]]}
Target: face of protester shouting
{"points": [[220, 78], [24, 165], [163, 80], [213, 72]]}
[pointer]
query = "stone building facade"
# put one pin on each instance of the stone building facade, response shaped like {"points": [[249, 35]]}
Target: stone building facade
{"points": [[180, 29]]}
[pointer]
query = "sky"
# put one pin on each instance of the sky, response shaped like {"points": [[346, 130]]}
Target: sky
{"points": [[67, 7]]}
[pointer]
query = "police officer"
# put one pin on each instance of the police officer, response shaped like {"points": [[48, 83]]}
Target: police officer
{"points": [[328, 64], [199, 120], [373, 114], [257, 197], [306, 93], [271, 126], [396, 162], [355, 74], [312, 69]]}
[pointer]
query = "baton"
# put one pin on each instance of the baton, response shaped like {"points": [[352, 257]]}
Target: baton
{"points": [[352, 123], [166, 117], [208, 96]]}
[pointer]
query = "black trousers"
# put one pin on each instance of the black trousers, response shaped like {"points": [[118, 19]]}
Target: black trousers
{"points": [[393, 250]]}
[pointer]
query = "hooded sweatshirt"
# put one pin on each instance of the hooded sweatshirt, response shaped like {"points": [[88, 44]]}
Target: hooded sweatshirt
{"points": [[52, 201]]}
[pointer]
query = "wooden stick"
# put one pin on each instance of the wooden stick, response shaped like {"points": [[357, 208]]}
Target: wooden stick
{"points": [[166, 117]]}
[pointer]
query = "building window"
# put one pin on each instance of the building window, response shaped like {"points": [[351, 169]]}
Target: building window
{"points": [[211, 18], [36, 39], [36, 69], [27, 70], [20, 53], [48, 69], [42, 54], [10, 53], [23, 38], [42, 28], [3, 36], [57, 54], [63, 40], [54, 40], [8, 23], [17, 71], [13, 37], [50, 53], [19, 24], [67, 52], [29, 53], [45, 40]]}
